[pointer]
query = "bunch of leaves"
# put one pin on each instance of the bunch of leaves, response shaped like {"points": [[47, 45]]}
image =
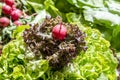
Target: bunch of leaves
{"points": [[12, 60], [97, 63], [14, 66], [103, 15], [58, 52]]}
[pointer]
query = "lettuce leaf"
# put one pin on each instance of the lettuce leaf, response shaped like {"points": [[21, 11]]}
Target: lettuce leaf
{"points": [[11, 58], [96, 62], [19, 30], [103, 15], [14, 66]]}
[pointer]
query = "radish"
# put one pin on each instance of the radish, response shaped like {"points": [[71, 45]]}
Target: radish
{"points": [[6, 9], [4, 22], [9, 2], [17, 23], [59, 32], [16, 14]]}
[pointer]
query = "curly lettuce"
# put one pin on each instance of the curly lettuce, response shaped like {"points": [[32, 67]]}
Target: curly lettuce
{"points": [[97, 61], [103, 15], [14, 66]]}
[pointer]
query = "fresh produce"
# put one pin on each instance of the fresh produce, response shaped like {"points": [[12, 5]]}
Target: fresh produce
{"points": [[6, 9], [17, 23], [103, 15], [16, 14], [59, 31], [72, 46], [13, 18], [9, 2], [58, 52], [4, 22], [96, 63]]}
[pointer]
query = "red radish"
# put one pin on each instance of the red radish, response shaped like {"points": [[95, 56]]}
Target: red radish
{"points": [[59, 32], [16, 14], [4, 22], [17, 23], [9, 2], [6, 9]]}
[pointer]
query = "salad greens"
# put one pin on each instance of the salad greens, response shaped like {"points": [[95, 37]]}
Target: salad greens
{"points": [[13, 64], [97, 63], [103, 15]]}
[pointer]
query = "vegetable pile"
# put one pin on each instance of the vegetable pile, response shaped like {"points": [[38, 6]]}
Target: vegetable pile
{"points": [[9, 20], [8, 8], [59, 40]]}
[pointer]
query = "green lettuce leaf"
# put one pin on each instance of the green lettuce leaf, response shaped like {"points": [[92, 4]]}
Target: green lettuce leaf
{"points": [[13, 63], [96, 61], [103, 15], [12, 56], [36, 68], [19, 30], [36, 7], [39, 17]]}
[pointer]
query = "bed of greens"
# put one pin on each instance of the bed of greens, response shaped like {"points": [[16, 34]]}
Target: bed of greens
{"points": [[26, 43]]}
